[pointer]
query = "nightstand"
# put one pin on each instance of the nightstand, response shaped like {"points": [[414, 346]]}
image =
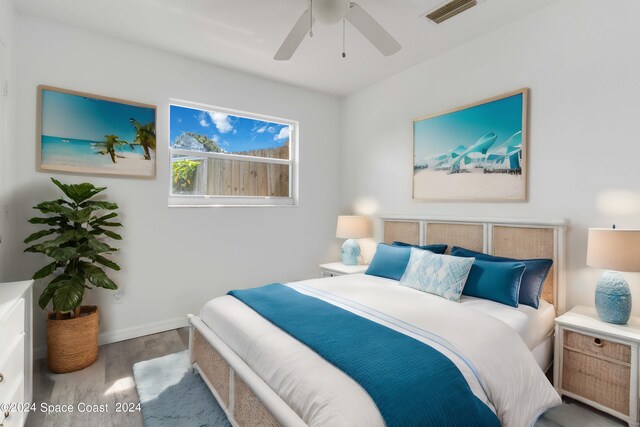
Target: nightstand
{"points": [[597, 362], [339, 269]]}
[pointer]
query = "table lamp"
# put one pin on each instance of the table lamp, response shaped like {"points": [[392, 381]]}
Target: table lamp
{"points": [[615, 251], [352, 227]]}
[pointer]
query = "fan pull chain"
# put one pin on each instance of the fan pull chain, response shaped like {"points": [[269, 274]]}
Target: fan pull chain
{"points": [[344, 37], [310, 18]]}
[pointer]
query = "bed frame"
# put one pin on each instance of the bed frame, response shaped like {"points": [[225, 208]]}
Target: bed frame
{"points": [[248, 401]]}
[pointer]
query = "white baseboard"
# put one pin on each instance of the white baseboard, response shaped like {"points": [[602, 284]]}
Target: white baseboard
{"points": [[109, 337]]}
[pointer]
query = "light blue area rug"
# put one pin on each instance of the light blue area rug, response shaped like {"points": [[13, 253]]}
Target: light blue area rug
{"points": [[171, 395]]}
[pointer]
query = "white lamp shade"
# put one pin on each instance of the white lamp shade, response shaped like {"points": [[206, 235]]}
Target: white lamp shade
{"points": [[353, 227], [617, 250]]}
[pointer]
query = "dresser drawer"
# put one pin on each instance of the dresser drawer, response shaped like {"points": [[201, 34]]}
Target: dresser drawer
{"points": [[11, 369], [11, 328], [597, 347], [600, 380], [15, 418]]}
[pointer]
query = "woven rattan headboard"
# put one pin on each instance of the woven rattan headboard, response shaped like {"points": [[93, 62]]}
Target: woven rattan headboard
{"points": [[502, 237]]}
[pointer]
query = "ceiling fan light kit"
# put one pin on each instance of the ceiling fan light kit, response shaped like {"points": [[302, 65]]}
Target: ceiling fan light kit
{"points": [[330, 12]]}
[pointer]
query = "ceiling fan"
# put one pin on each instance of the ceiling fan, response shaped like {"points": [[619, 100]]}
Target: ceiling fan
{"points": [[331, 12]]}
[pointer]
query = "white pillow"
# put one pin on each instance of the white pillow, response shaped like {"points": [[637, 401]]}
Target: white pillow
{"points": [[442, 275]]}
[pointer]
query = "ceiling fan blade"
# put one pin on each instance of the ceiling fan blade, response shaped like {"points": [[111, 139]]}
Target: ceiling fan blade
{"points": [[295, 37], [373, 31]]}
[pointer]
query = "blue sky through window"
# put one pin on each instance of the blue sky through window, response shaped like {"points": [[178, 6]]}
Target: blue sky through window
{"points": [[232, 133]]}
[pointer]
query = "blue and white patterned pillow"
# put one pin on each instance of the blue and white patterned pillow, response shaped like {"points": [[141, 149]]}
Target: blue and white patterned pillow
{"points": [[442, 275]]}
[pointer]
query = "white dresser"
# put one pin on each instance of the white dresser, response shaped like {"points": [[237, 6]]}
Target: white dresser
{"points": [[16, 350]]}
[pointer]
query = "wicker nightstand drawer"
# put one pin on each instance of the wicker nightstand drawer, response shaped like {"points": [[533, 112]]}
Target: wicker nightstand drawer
{"points": [[601, 380], [597, 347]]}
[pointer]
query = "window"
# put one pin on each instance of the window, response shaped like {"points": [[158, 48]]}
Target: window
{"points": [[222, 157]]}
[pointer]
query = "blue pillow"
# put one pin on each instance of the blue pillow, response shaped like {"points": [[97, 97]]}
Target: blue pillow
{"points": [[436, 249], [535, 273], [389, 261], [441, 275], [496, 281]]}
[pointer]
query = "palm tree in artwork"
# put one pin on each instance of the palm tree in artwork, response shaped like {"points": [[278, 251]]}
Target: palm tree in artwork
{"points": [[110, 142], [145, 136]]}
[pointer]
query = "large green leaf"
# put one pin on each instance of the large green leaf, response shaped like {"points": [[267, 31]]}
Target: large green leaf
{"points": [[50, 290], [80, 216], [51, 220], [67, 202], [78, 192], [97, 277], [79, 233], [98, 231], [107, 263], [63, 254], [49, 246], [104, 218], [45, 271], [75, 234], [109, 224], [38, 248], [46, 296], [95, 205], [54, 206], [85, 251], [114, 236], [39, 234], [98, 246], [68, 295], [63, 238], [102, 221]]}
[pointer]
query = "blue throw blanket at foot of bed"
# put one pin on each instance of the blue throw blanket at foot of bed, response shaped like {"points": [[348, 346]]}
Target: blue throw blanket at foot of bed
{"points": [[411, 383]]}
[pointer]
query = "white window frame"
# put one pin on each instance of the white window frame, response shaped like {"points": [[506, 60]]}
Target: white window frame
{"points": [[188, 200]]}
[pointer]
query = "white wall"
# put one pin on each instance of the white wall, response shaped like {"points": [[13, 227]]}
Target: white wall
{"points": [[175, 259], [581, 60], [8, 67]]}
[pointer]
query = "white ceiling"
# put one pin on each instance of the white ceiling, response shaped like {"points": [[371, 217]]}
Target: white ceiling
{"points": [[245, 34]]}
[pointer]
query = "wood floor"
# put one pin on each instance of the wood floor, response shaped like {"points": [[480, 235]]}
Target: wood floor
{"points": [[575, 414], [107, 381], [110, 380]]}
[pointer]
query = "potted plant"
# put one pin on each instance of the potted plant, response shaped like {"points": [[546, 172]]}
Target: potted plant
{"points": [[78, 227]]}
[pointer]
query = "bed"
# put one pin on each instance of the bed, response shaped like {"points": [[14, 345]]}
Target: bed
{"points": [[261, 375]]}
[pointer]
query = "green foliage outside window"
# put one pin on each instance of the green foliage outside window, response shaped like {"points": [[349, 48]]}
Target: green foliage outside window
{"points": [[184, 172]]}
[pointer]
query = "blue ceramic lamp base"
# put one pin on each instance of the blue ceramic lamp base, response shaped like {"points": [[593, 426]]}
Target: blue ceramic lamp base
{"points": [[350, 252], [613, 298]]}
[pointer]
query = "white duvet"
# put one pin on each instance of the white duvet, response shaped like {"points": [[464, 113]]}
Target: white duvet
{"points": [[492, 357]]}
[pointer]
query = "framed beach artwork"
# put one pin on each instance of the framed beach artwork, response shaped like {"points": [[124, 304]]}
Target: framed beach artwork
{"points": [[477, 152], [84, 133]]}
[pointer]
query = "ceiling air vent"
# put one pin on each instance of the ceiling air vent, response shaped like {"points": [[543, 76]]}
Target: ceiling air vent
{"points": [[449, 10]]}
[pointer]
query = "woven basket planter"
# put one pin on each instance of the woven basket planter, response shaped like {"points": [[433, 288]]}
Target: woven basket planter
{"points": [[72, 344]]}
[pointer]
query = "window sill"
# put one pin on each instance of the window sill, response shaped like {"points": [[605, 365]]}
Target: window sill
{"points": [[230, 202], [232, 206]]}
